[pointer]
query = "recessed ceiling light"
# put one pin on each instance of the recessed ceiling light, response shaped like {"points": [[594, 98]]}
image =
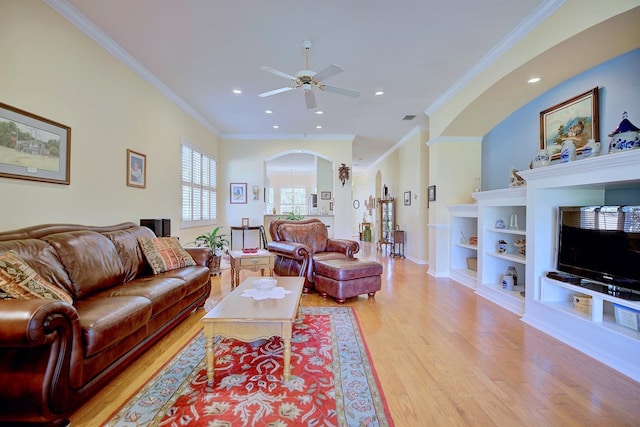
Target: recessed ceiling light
{"points": [[318, 126], [237, 91], [379, 93], [534, 80], [276, 127], [319, 112], [268, 112]]}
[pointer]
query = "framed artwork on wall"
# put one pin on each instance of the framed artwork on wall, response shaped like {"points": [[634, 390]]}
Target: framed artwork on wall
{"points": [[33, 147], [432, 193], [136, 169], [575, 119], [238, 193], [325, 195], [407, 198]]}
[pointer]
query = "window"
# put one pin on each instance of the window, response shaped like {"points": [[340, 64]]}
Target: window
{"points": [[293, 200], [199, 191]]}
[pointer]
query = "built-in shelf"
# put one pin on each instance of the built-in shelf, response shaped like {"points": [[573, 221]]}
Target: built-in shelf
{"points": [[493, 207], [464, 226], [549, 303]]}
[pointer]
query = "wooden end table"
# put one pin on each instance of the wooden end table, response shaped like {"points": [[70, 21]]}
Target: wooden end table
{"points": [[246, 319], [250, 261]]}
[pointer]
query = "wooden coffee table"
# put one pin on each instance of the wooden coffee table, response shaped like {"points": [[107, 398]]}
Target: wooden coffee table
{"points": [[246, 319]]}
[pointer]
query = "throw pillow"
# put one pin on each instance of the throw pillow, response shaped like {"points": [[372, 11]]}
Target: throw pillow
{"points": [[164, 254], [19, 281]]}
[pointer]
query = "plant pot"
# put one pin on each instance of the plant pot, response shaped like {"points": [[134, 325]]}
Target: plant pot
{"points": [[214, 266]]}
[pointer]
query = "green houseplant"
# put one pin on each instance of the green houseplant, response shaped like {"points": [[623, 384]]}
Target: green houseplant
{"points": [[218, 243]]}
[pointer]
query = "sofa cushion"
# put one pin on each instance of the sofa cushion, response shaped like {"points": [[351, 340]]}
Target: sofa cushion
{"points": [[19, 281], [313, 235], [106, 321], [163, 291], [90, 259], [126, 243], [43, 258], [164, 254]]}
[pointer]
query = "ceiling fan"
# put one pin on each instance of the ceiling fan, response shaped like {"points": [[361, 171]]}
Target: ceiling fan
{"points": [[307, 80]]}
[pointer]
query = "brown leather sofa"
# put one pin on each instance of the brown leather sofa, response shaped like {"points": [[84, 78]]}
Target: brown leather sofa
{"points": [[54, 355], [298, 245]]}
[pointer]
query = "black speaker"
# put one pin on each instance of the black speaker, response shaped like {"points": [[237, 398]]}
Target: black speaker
{"points": [[160, 226]]}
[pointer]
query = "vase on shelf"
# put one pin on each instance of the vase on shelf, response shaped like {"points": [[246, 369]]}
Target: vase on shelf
{"points": [[542, 159], [568, 151]]}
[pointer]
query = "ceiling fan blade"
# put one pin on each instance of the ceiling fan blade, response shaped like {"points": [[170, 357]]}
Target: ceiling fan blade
{"points": [[340, 90], [310, 99], [276, 91], [278, 73], [330, 71]]}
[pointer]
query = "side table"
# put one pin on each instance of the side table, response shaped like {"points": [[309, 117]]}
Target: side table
{"points": [[398, 240], [249, 261]]}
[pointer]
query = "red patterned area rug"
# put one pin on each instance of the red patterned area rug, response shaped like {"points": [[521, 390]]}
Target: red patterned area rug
{"points": [[333, 382]]}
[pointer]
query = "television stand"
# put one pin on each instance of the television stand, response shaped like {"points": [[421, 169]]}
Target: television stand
{"points": [[613, 290]]}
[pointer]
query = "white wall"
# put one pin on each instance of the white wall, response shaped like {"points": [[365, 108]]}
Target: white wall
{"points": [[244, 162], [52, 69]]}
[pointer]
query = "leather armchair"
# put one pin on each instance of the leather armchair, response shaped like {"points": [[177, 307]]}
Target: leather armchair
{"points": [[299, 244]]}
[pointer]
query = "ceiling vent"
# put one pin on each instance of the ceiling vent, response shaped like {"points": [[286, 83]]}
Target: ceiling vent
{"points": [[409, 117]]}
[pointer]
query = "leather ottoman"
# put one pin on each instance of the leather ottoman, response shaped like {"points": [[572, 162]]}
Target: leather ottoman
{"points": [[347, 277]]}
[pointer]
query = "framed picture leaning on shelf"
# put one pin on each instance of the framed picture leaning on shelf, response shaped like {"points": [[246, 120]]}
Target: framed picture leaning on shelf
{"points": [[575, 119]]}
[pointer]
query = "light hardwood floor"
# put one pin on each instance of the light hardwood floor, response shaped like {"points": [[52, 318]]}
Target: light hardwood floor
{"points": [[444, 357]]}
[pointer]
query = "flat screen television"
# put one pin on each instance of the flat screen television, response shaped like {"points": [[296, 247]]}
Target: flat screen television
{"points": [[601, 243]]}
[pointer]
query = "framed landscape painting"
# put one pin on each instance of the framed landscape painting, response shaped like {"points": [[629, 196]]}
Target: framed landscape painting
{"points": [[33, 147], [575, 119]]}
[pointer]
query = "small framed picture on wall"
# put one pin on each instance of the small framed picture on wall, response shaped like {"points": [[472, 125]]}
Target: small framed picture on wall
{"points": [[432, 193], [136, 169], [238, 192]]}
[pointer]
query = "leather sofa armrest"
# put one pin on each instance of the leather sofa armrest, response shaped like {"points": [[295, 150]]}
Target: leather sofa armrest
{"points": [[32, 323], [202, 256], [347, 247], [51, 329], [297, 251]]}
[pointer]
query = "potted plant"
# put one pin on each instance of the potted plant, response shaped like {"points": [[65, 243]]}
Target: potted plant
{"points": [[218, 243], [292, 216]]}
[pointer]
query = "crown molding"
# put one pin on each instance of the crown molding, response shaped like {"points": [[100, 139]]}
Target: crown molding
{"points": [[532, 21], [64, 8]]}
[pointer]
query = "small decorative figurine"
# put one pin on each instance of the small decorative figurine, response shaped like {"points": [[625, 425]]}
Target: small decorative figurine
{"points": [[343, 173], [625, 137]]}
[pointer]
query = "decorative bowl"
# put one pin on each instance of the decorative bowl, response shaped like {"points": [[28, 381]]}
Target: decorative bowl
{"points": [[250, 250], [264, 283]]}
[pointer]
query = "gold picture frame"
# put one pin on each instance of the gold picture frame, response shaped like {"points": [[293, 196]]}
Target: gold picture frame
{"points": [[136, 169], [575, 119]]}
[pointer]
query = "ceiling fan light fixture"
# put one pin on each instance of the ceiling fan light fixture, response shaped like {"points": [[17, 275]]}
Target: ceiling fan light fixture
{"points": [[308, 80]]}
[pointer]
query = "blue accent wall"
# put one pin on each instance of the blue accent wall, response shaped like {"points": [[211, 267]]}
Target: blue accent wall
{"points": [[515, 141]]}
